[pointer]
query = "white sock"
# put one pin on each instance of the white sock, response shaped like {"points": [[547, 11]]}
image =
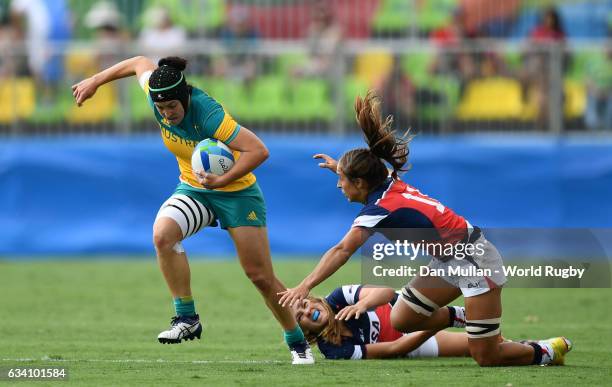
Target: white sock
{"points": [[548, 353]]}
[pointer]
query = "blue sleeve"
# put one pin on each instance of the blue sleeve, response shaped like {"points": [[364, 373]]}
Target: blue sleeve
{"points": [[343, 296], [348, 350], [373, 209], [406, 218], [370, 216]]}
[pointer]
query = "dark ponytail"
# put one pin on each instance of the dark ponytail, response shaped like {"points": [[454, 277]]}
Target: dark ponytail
{"points": [[175, 62], [382, 142]]}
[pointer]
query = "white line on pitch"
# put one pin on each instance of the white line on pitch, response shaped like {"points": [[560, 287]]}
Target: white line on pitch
{"points": [[149, 361]]}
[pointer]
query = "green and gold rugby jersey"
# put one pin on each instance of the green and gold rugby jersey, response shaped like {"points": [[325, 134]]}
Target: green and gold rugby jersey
{"points": [[205, 118]]}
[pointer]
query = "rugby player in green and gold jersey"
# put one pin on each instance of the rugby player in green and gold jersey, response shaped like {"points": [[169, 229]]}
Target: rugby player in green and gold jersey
{"points": [[186, 115]]}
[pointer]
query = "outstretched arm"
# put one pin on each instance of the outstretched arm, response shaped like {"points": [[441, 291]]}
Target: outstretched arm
{"points": [[331, 261], [85, 89]]}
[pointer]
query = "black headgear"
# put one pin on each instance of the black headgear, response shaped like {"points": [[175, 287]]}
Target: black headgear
{"points": [[168, 83]]}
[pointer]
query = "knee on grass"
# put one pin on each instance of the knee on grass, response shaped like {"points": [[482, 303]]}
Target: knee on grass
{"points": [[485, 358]]}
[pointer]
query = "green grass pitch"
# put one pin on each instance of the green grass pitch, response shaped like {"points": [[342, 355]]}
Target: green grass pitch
{"points": [[100, 319]]}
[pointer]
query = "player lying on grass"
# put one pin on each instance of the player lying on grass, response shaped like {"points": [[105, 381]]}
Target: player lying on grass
{"points": [[187, 115], [391, 206], [353, 322]]}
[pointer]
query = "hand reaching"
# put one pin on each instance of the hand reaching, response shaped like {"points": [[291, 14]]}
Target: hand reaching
{"points": [[351, 311], [84, 90], [291, 296], [328, 162]]}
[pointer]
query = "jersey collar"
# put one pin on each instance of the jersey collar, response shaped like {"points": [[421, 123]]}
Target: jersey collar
{"points": [[378, 192]]}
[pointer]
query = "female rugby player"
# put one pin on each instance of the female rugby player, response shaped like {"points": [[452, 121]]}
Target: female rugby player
{"points": [[391, 204], [353, 322], [187, 115]]}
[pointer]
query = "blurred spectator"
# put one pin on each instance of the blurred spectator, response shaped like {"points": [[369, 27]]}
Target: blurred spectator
{"points": [[324, 38], [237, 37], [491, 65], [598, 113], [550, 28], [399, 96], [451, 59], [546, 37], [7, 60], [105, 19], [131, 12], [491, 18], [160, 37], [43, 25]]}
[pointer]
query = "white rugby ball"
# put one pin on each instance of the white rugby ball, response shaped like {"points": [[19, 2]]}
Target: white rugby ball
{"points": [[212, 156]]}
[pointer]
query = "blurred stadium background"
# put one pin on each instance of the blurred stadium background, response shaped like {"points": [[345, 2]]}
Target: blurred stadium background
{"points": [[511, 99], [295, 65]]}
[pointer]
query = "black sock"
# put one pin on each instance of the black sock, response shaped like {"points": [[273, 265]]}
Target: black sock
{"points": [[451, 316], [537, 353]]}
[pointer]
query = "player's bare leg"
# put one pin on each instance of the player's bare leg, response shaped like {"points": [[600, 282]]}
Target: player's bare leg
{"points": [[253, 251], [410, 317], [175, 269], [452, 344], [173, 264], [254, 254], [491, 350]]}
